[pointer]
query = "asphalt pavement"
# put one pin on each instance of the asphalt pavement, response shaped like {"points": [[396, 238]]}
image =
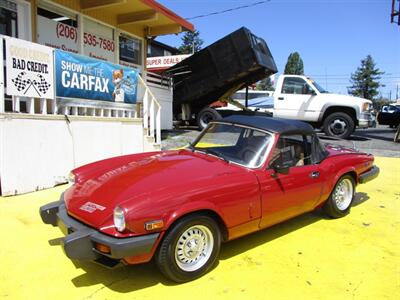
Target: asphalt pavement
{"points": [[377, 141]]}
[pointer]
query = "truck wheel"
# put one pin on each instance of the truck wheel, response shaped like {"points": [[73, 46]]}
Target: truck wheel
{"points": [[189, 249], [206, 115], [339, 125], [339, 202]]}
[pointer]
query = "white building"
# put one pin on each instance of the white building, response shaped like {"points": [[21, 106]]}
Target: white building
{"points": [[43, 137]]}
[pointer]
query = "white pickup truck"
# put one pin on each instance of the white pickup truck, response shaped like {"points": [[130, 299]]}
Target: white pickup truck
{"points": [[299, 97]]}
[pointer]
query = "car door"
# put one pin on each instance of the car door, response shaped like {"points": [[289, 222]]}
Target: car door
{"points": [[294, 99], [284, 196]]}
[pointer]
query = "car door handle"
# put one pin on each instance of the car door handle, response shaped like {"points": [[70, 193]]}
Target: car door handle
{"points": [[314, 174], [281, 98]]}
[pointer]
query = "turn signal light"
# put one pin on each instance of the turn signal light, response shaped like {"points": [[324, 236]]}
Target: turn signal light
{"points": [[102, 248], [154, 225]]}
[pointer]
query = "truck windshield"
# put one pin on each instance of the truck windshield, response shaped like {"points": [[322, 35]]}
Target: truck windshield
{"points": [[318, 87]]}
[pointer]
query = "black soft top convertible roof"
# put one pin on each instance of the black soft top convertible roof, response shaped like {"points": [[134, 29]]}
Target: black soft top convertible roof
{"points": [[276, 125]]}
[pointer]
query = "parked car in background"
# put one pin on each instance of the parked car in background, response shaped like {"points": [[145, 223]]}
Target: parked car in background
{"points": [[242, 174], [389, 115]]}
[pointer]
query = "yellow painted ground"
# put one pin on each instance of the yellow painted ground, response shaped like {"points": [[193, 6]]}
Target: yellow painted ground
{"points": [[309, 257]]}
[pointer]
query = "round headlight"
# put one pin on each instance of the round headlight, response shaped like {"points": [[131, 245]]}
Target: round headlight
{"points": [[119, 219], [71, 177]]}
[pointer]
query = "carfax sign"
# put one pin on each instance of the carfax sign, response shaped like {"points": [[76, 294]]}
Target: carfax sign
{"points": [[84, 77], [29, 69]]}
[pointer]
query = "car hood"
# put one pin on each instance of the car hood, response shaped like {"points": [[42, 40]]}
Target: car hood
{"points": [[125, 181]]}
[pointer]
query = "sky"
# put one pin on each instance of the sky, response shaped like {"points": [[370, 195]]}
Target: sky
{"points": [[332, 36]]}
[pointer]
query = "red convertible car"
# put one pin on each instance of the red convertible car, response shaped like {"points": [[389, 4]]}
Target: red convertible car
{"points": [[242, 174]]}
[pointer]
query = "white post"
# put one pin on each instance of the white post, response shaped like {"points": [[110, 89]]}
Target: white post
{"points": [[2, 84], [30, 105], [54, 106], [152, 119], [43, 106], [158, 127], [15, 103], [145, 109], [74, 111]]}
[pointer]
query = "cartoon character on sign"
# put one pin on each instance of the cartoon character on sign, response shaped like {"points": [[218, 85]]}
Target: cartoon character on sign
{"points": [[119, 93]]}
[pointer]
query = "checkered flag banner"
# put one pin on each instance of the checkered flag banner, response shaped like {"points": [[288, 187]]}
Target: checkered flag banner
{"points": [[42, 85], [21, 83]]}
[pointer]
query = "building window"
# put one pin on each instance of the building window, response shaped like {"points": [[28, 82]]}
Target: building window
{"points": [[57, 29], [8, 18], [130, 50], [61, 18], [98, 41]]}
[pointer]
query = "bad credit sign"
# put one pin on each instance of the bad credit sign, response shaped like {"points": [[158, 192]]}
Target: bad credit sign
{"points": [[29, 69]]}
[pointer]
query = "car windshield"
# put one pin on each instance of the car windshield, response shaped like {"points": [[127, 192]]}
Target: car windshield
{"points": [[234, 143]]}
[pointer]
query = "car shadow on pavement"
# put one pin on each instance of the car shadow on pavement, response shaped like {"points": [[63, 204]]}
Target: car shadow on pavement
{"points": [[372, 136], [125, 279], [360, 198], [122, 279], [269, 234], [357, 138]]}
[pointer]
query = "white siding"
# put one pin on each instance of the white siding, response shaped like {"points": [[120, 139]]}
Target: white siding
{"points": [[39, 153]]}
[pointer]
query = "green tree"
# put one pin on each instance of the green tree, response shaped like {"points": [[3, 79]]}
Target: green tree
{"points": [[381, 101], [191, 40], [265, 85], [294, 65], [365, 80]]}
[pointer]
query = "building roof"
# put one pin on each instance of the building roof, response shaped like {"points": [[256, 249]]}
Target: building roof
{"points": [[143, 18], [160, 45], [276, 125]]}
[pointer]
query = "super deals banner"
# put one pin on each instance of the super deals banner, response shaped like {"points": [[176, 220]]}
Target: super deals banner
{"points": [[84, 77]]}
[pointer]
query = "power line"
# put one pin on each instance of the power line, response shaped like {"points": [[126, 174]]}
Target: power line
{"points": [[228, 10]]}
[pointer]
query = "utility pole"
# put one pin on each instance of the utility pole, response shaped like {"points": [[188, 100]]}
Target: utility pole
{"points": [[397, 92], [326, 80]]}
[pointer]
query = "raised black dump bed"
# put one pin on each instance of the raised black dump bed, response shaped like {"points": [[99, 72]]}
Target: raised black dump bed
{"points": [[231, 63]]}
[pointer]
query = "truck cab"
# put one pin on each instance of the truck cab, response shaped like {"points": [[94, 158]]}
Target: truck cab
{"points": [[301, 98]]}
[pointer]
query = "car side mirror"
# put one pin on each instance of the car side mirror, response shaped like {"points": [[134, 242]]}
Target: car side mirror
{"points": [[281, 169]]}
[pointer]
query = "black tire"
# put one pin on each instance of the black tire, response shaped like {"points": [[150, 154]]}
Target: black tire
{"points": [[172, 256], [339, 125], [205, 116], [337, 208]]}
